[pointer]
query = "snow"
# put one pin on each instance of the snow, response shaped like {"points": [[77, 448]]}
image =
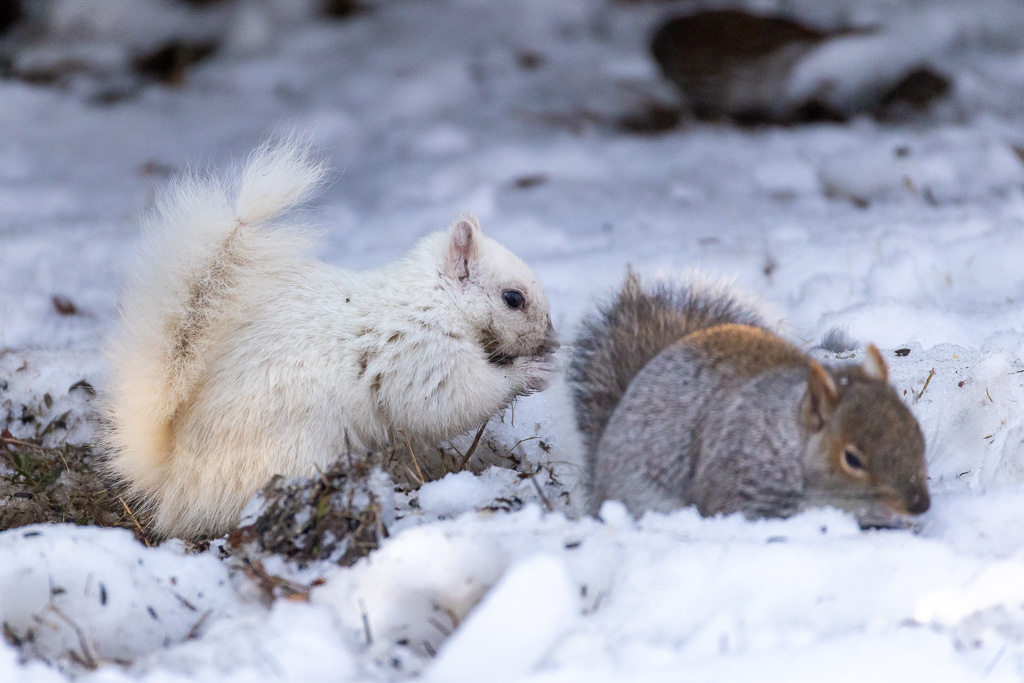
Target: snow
{"points": [[909, 236], [101, 591], [942, 35], [461, 491], [513, 628]]}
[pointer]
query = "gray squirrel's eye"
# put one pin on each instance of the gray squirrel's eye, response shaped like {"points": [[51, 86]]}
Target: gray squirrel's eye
{"points": [[513, 298], [853, 460]]}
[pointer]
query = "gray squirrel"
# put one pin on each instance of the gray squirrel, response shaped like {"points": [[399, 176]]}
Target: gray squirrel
{"points": [[684, 397], [238, 358]]}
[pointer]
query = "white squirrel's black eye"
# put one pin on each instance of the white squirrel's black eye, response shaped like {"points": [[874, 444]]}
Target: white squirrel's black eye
{"points": [[513, 298], [852, 460]]}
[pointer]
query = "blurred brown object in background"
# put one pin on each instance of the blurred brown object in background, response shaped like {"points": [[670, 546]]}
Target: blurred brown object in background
{"points": [[341, 9], [169, 62], [914, 93], [737, 66], [732, 64], [10, 14]]}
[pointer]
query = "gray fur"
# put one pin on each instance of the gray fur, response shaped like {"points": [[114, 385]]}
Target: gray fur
{"points": [[673, 441], [838, 340], [623, 336], [672, 419]]}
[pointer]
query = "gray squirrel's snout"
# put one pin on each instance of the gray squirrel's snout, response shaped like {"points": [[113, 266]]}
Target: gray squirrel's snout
{"points": [[918, 501]]}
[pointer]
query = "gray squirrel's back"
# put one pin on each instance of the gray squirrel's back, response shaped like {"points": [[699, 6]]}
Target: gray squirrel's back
{"points": [[620, 338], [683, 397]]}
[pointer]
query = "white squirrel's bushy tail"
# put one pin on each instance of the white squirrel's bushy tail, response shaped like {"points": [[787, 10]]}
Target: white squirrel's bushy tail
{"points": [[208, 245]]}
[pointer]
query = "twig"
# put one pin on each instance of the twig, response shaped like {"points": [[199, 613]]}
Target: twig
{"points": [[995, 660], [445, 631], [926, 382], [138, 526], [60, 454], [193, 632], [88, 657], [517, 443], [255, 572], [182, 600], [366, 622], [11, 441], [448, 461], [540, 492], [413, 454], [453, 619], [348, 450], [989, 395], [412, 475], [472, 448]]}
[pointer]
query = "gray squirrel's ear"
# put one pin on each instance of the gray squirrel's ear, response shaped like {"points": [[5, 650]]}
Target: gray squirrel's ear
{"points": [[463, 247], [874, 365], [822, 396]]}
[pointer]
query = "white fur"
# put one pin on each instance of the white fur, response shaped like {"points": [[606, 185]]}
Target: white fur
{"points": [[287, 360]]}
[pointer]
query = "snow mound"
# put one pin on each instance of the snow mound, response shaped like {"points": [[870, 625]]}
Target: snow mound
{"points": [[98, 595]]}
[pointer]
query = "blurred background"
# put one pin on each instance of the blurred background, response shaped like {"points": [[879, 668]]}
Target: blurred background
{"points": [[668, 134], [857, 163], [756, 61]]}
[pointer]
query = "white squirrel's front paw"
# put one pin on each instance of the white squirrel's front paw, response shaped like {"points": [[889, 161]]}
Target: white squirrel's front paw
{"points": [[533, 373]]}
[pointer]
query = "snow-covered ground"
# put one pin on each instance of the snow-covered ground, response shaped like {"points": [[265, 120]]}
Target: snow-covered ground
{"points": [[909, 236]]}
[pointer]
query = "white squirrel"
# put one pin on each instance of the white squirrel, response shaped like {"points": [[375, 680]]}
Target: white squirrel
{"points": [[239, 358]]}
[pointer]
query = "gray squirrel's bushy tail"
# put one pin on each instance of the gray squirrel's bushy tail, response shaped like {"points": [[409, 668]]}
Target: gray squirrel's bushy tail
{"points": [[617, 341]]}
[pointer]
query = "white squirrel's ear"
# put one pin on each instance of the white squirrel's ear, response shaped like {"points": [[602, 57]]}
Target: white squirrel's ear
{"points": [[822, 396], [874, 365], [463, 247]]}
